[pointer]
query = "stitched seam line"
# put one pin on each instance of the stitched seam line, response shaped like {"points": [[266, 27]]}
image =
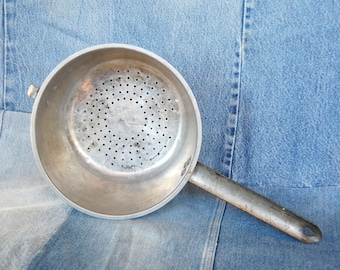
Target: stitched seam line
{"points": [[4, 48], [231, 129], [237, 100], [234, 101], [2, 112], [209, 251]]}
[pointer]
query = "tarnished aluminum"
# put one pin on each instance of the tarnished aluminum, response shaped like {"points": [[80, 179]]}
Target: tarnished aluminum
{"points": [[116, 131], [255, 204]]}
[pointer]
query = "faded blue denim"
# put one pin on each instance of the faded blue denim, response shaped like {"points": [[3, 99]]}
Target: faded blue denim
{"points": [[266, 76]]}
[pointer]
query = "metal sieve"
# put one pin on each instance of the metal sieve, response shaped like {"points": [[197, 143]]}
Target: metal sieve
{"points": [[116, 131]]}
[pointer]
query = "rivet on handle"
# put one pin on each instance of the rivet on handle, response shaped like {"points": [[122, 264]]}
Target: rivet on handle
{"points": [[32, 91]]}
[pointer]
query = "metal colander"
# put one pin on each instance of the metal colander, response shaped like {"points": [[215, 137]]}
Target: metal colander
{"points": [[117, 132]]}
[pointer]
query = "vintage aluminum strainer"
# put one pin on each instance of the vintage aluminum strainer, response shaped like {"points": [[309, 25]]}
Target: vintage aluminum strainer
{"points": [[117, 132]]}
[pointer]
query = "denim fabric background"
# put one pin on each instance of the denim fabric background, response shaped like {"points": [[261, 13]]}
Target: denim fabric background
{"points": [[266, 76]]}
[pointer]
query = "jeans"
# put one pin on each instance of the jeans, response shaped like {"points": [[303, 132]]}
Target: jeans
{"points": [[266, 78]]}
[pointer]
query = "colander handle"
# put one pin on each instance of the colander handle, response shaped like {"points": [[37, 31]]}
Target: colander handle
{"points": [[255, 204]]}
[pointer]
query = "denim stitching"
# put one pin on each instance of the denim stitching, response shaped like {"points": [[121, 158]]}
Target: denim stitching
{"points": [[9, 59], [4, 51], [209, 252], [231, 125], [233, 103], [2, 112], [210, 246]]}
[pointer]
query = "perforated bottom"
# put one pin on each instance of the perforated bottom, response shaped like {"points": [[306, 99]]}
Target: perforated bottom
{"points": [[124, 119]]}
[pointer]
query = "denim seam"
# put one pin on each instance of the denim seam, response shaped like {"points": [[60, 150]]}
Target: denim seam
{"points": [[233, 113], [233, 103], [4, 51], [209, 252], [2, 112], [9, 49]]}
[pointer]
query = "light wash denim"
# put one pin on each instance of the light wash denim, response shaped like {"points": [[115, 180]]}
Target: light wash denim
{"points": [[266, 76]]}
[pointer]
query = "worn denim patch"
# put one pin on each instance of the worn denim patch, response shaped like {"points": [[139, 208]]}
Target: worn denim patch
{"points": [[266, 78]]}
